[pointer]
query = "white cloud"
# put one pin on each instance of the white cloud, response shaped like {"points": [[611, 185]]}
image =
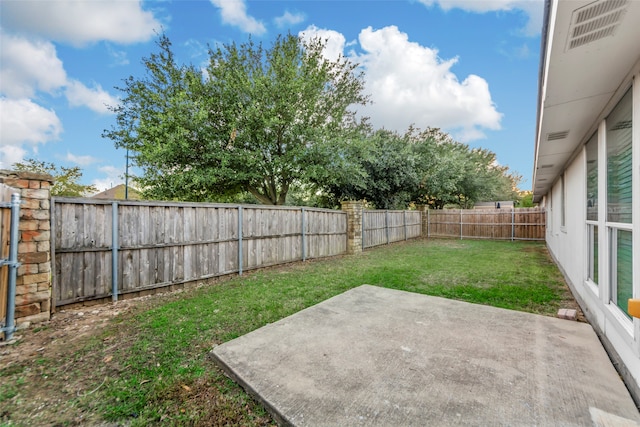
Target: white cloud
{"points": [[410, 84], [335, 41], [27, 66], [533, 8], [10, 154], [24, 122], [80, 160], [113, 177], [234, 12], [289, 19], [81, 21], [95, 98]]}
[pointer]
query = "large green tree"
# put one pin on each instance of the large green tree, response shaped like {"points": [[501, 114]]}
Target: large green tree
{"points": [[256, 120], [66, 180], [378, 167]]}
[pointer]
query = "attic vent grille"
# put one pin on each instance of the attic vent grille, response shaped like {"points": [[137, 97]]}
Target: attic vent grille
{"points": [[595, 21], [554, 136]]}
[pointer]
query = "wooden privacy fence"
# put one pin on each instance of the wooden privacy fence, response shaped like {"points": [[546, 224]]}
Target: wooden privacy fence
{"points": [[497, 224], [153, 244], [380, 227]]}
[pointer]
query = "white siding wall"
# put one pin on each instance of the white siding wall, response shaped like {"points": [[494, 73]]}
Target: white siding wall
{"points": [[568, 245]]}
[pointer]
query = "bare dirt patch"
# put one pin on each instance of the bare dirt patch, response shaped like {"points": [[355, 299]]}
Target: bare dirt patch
{"points": [[39, 384]]}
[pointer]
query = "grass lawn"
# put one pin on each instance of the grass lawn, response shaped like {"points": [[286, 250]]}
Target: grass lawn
{"points": [[150, 365]]}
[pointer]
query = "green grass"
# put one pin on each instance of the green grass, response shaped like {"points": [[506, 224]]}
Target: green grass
{"points": [[160, 371]]}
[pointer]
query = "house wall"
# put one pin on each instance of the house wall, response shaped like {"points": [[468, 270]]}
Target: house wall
{"points": [[569, 245]]}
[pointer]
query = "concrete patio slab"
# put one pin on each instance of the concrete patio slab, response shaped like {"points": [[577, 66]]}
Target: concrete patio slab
{"points": [[376, 356]]}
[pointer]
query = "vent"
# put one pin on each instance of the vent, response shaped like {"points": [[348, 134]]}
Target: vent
{"points": [[554, 136], [542, 179], [545, 166], [595, 21]]}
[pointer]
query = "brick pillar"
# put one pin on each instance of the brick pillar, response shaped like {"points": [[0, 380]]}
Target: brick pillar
{"points": [[33, 284], [354, 225], [424, 210]]}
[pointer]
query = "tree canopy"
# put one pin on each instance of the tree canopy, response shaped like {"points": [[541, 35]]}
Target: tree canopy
{"points": [[276, 125], [255, 120], [390, 171], [66, 180]]}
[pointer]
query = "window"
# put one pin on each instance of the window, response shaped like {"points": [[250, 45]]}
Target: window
{"points": [[621, 269], [592, 178], [592, 266], [562, 202], [592, 208], [619, 162], [619, 201]]}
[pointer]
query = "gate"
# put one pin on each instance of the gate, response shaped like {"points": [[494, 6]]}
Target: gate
{"points": [[9, 216]]}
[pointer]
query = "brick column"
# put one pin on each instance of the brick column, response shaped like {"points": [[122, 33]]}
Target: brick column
{"points": [[424, 210], [33, 284], [354, 225]]}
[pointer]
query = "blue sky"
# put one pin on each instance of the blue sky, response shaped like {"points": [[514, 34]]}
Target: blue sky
{"points": [[469, 67]]}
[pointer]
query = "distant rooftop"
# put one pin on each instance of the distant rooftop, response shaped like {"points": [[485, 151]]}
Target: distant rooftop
{"points": [[118, 193]]}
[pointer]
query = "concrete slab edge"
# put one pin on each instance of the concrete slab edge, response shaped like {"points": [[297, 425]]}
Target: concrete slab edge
{"points": [[277, 416], [616, 360]]}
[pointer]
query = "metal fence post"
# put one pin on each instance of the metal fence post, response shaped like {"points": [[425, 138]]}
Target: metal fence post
{"points": [[114, 251], [386, 224], [13, 264], [460, 224], [240, 260], [362, 221], [304, 240], [428, 223], [404, 219], [513, 216]]}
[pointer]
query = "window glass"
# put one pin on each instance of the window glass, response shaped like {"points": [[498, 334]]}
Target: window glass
{"points": [[562, 202], [619, 162], [593, 253], [623, 270], [592, 178]]}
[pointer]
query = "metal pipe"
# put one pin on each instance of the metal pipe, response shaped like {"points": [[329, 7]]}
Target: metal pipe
{"points": [[13, 266], [512, 223], [114, 251], [404, 219], [240, 260], [386, 224], [304, 242], [362, 227]]}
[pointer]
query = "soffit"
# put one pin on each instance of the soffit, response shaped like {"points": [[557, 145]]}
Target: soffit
{"points": [[585, 64]]}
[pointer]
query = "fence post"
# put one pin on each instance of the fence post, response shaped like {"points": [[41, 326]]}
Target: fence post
{"points": [[355, 223], [362, 246], [304, 243], [513, 215], [424, 220], [13, 266], [404, 219], [460, 224], [240, 260], [114, 251], [386, 224]]}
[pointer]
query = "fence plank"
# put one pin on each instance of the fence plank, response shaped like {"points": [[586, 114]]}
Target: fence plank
{"points": [[498, 224], [168, 243]]}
